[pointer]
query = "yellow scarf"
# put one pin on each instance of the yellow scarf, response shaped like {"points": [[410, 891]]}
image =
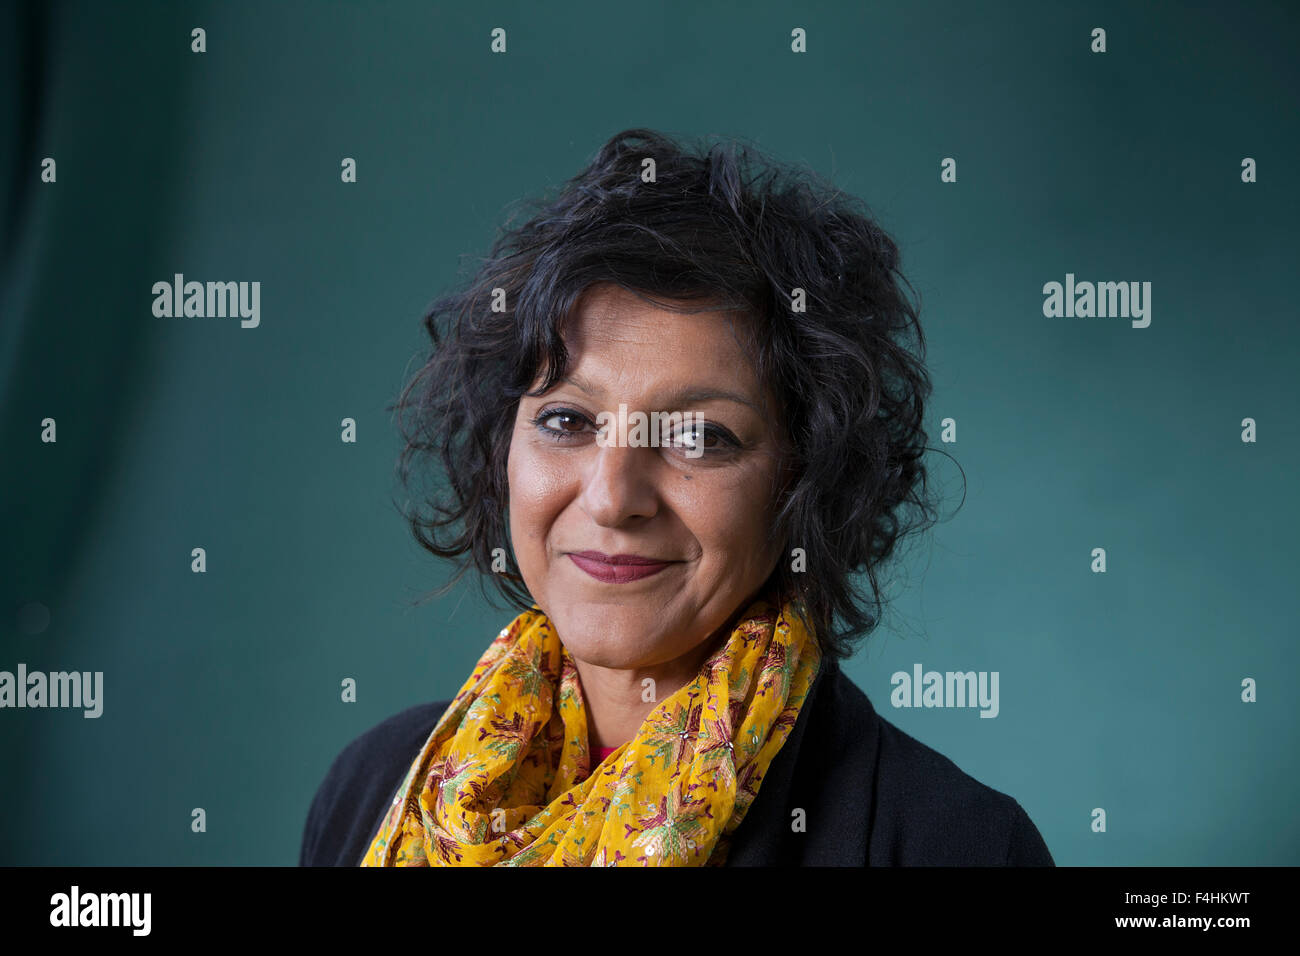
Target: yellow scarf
{"points": [[505, 777]]}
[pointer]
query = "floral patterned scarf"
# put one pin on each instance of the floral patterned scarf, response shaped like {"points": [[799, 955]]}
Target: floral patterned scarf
{"points": [[505, 778]]}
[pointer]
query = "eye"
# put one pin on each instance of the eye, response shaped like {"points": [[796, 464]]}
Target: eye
{"points": [[704, 438], [564, 422], [560, 422]]}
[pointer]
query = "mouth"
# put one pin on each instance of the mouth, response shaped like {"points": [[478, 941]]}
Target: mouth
{"points": [[617, 568]]}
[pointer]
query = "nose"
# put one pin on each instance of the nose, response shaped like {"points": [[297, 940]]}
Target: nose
{"points": [[619, 486]]}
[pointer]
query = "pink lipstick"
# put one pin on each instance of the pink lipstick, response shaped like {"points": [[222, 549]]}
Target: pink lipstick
{"points": [[617, 568]]}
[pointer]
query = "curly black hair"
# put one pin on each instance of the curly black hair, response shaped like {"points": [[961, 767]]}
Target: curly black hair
{"points": [[721, 223]]}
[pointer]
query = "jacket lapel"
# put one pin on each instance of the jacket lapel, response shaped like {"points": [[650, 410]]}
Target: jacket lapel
{"points": [[826, 768]]}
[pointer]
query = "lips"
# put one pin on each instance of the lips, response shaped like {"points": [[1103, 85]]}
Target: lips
{"points": [[617, 568]]}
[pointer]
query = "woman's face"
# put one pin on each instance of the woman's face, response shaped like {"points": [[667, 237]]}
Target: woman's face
{"points": [[703, 517]]}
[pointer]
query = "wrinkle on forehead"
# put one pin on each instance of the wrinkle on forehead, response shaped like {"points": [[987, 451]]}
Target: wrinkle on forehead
{"points": [[622, 319]]}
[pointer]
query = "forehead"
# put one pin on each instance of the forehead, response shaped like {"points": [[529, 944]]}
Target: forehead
{"points": [[618, 339]]}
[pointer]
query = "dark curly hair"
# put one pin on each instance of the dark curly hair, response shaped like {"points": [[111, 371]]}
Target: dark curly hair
{"points": [[707, 226]]}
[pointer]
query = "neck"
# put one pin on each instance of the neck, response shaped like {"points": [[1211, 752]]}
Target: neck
{"points": [[618, 701], [614, 696]]}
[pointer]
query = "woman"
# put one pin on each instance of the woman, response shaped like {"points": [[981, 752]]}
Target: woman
{"points": [[681, 430]]}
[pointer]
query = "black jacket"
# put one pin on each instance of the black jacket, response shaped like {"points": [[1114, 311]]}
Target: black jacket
{"points": [[871, 795]]}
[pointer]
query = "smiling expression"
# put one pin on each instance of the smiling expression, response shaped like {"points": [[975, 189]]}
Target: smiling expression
{"points": [[639, 555]]}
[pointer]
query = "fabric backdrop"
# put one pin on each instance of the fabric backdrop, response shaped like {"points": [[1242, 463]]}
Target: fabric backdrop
{"points": [[1119, 691]]}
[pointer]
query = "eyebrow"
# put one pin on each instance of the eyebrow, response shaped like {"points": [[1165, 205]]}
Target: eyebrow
{"points": [[686, 396]]}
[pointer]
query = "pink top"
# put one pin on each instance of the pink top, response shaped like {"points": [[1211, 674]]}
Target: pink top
{"points": [[603, 752]]}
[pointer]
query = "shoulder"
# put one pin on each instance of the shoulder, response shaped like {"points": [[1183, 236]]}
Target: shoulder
{"points": [[359, 785], [926, 810]]}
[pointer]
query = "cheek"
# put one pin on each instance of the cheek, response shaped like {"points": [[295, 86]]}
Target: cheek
{"points": [[729, 518], [536, 495]]}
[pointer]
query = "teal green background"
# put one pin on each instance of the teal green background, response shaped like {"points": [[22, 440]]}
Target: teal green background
{"points": [[1118, 690]]}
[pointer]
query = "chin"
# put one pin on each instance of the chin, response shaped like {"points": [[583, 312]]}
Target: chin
{"points": [[614, 637]]}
